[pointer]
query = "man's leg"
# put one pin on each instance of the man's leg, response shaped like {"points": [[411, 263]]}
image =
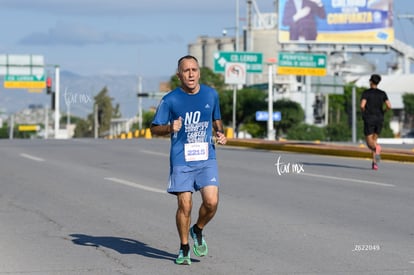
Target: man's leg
{"points": [[372, 145], [208, 208], [371, 142], [377, 150], [183, 220], [183, 216]]}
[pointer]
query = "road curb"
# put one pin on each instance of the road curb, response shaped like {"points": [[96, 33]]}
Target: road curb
{"points": [[354, 151]]}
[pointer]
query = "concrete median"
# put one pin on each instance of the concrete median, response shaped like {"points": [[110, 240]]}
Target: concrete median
{"points": [[320, 148]]}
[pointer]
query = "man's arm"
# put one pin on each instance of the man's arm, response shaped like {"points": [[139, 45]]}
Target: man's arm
{"points": [[363, 104], [387, 105], [219, 130], [162, 130], [218, 126]]}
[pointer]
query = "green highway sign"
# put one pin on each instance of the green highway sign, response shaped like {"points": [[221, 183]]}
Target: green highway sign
{"points": [[24, 81], [253, 61], [301, 64], [24, 78]]}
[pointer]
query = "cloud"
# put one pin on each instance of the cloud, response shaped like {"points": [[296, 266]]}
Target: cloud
{"points": [[79, 35], [119, 7]]}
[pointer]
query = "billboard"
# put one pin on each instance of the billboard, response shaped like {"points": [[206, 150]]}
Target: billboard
{"points": [[336, 21]]}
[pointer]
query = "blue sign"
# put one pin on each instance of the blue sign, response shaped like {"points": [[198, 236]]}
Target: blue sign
{"points": [[264, 116]]}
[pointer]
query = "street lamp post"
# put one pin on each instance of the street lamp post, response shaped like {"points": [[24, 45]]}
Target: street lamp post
{"points": [[270, 126], [57, 102]]}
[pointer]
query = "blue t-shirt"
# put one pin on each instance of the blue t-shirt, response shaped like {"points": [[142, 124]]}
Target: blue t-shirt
{"points": [[197, 111]]}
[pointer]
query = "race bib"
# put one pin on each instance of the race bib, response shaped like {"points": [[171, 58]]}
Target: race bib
{"points": [[196, 151]]}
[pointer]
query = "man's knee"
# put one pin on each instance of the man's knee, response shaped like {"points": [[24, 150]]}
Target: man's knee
{"points": [[185, 203], [210, 198], [371, 142], [211, 203]]}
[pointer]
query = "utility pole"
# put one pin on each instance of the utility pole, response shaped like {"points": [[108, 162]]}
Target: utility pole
{"points": [[354, 129], [248, 38], [57, 96], [139, 102], [46, 122], [11, 130], [96, 121], [270, 126], [237, 26]]}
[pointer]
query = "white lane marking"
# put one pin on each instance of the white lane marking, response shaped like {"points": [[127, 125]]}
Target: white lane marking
{"points": [[31, 157], [154, 153], [136, 185], [349, 179]]}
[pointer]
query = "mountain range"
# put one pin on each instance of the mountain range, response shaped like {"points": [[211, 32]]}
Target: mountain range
{"points": [[77, 94]]}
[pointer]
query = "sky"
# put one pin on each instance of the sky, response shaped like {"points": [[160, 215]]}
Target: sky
{"points": [[138, 37], [91, 37]]}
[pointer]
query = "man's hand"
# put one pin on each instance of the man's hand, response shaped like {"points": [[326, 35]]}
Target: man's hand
{"points": [[301, 13], [176, 125], [221, 138]]}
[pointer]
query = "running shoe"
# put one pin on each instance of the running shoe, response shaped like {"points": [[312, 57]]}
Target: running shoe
{"points": [[200, 246], [183, 260], [378, 153], [374, 166]]}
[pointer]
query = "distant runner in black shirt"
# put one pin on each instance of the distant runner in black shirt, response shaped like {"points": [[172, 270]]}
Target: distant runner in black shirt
{"points": [[372, 107]]}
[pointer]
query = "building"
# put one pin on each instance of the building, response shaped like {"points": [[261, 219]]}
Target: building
{"points": [[345, 62]]}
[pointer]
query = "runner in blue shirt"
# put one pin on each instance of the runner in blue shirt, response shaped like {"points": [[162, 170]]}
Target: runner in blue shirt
{"points": [[189, 114]]}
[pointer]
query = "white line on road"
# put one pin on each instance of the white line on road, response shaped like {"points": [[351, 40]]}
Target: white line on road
{"points": [[350, 180], [31, 157], [154, 153], [136, 185]]}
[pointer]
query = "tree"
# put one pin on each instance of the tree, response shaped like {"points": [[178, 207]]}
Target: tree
{"points": [[304, 131], [105, 111], [147, 117], [249, 101], [84, 128], [4, 131], [292, 114], [408, 100], [338, 131]]}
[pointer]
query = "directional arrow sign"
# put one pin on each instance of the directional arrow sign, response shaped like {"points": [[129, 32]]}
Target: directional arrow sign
{"points": [[253, 61]]}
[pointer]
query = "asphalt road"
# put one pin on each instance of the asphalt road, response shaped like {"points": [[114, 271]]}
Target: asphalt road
{"points": [[100, 207]]}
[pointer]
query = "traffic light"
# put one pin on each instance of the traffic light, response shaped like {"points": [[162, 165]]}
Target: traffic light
{"points": [[319, 108], [48, 85], [100, 117], [52, 101]]}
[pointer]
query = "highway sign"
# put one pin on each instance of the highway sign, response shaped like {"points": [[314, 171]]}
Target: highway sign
{"points": [[26, 64], [302, 64], [264, 116], [28, 128], [24, 81], [253, 61]]}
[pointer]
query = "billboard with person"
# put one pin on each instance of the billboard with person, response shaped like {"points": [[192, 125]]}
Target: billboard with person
{"points": [[336, 21]]}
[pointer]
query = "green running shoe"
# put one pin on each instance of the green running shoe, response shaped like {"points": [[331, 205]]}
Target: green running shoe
{"points": [[200, 246], [183, 260]]}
